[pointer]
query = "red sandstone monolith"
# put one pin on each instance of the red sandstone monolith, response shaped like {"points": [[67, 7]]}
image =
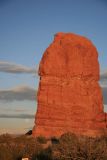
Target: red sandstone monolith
{"points": [[69, 96]]}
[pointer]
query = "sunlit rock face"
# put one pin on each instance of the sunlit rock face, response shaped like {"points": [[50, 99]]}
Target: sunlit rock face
{"points": [[69, 96]]}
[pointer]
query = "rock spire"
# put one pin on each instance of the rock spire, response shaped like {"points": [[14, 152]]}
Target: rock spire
{"points": [[69, 96]]}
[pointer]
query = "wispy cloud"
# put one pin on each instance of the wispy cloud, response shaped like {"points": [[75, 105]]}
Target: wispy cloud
{"points": [[103, 75], [14, 68], [104, 90], [20, 116], [19, 93], [9, 109], [103, 83]]}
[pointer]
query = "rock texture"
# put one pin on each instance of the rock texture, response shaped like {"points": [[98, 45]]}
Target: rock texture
{"points": [[69, 96]]}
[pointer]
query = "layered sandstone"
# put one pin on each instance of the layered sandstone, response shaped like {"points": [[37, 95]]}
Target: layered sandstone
{"points": [[69, 96]]}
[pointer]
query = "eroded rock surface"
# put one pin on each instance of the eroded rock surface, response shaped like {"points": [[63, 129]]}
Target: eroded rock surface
{"points": [[69, 96]]}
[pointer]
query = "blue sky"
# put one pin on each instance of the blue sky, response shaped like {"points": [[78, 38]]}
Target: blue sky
{"points": [[27, 27]]}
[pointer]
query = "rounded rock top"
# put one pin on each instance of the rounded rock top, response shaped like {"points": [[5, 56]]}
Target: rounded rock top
{"points": [[70, 55]]}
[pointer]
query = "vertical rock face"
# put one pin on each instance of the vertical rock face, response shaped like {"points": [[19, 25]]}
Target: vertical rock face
{"points": [[69, 96]]}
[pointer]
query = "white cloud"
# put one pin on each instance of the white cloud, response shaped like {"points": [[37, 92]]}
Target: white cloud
{"points": [[103, 75], [104, 90], [105, 107], [20, 116], [10, 67], [19, 93]]}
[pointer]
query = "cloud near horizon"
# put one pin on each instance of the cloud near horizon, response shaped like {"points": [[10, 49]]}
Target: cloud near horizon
{"points": [[104, 90], [103, 75], [19, 93], [19, 116], [14, 68]]}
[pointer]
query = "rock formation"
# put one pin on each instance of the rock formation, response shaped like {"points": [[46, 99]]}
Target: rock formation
{"points": [[69, 96]]}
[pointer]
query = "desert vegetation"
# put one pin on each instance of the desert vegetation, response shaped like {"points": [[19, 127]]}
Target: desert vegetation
{"points": [[67, 147]]}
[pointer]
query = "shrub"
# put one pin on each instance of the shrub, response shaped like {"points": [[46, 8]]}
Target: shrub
{"points": [[54, 140], [5, 138], [41, 139], [67, 147], [82, 148], [45, 154], [5, 154]]}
